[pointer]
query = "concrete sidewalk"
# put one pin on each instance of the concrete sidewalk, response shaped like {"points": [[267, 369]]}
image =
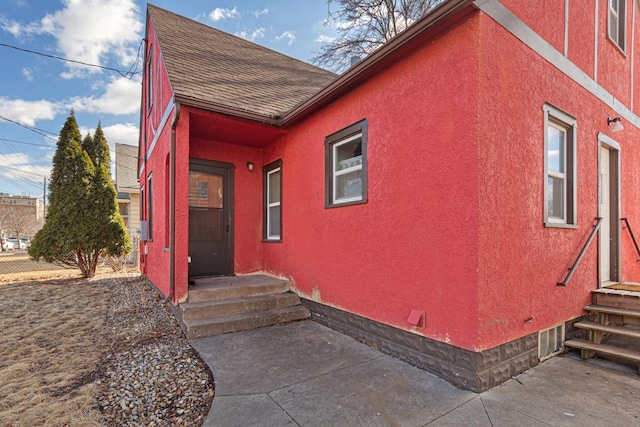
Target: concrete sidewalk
{"points": [[308, 375]]}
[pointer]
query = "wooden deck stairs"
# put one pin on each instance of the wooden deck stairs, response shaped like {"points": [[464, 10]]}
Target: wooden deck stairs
{"points": [[614, 325], [219, 305]]}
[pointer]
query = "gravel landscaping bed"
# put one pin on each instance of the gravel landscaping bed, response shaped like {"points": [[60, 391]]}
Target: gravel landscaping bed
{"points": [[95, 353], [149, 375]]}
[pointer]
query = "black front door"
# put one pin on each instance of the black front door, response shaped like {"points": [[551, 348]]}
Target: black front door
{"points": [[210, 218]]}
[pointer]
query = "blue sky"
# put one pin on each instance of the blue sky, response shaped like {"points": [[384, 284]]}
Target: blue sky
{"points": [[37, 92]]}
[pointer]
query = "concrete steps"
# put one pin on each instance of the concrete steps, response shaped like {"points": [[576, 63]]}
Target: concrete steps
{"points": [[614, 331], [229, 304]]}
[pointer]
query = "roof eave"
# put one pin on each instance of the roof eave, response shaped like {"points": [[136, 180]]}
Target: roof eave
{"points": [[360, 71], [227, 110]]}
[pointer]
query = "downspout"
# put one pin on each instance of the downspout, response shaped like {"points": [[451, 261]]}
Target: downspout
{"points": [[172, 203]]}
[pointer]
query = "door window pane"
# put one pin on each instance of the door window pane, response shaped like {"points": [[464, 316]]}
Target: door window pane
{"points": [[206, 195], [205, 190]]}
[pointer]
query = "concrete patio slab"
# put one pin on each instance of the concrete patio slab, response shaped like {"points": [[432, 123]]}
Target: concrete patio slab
{"points": [[380, 392], [267, 359], [305, 374]]}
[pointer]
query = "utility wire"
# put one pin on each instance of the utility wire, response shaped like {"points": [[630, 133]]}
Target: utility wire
{"points": [[27, 143], [31, 128], [127, 75], [20, 170]]}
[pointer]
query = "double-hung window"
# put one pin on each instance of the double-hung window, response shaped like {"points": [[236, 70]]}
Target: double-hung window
{"points": [[346, 166], [150, 206], [150, 79], [617, 13], [272, 222], [560, 168]]}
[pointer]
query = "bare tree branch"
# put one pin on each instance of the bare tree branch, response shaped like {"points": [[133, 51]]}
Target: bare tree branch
{"points": [[365, 25]]}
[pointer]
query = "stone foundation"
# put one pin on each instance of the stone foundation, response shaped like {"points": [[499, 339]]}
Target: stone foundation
{"points": [[476, 371]]}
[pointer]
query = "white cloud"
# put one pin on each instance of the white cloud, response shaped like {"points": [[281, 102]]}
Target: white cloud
{"points": [[89, 31], [121, 96], [325, 39], [291, 35], [219, 13], [12, 27], [27, 73], [258, 33], [28, 112], [20, 166], [121, 133], [259, 13]]}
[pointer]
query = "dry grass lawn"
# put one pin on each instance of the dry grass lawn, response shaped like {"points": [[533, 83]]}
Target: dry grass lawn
{"points": [[49, 351]]}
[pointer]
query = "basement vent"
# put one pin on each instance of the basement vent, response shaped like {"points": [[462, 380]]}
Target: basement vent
{"points": [[550, 341]]}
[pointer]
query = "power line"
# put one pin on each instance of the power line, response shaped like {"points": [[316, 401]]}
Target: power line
{"points": [[14, 176], [127, 75], [31, 128], [27, 143], [20, 170]]}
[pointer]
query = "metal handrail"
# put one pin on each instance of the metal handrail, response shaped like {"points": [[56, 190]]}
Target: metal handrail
{"points": [[573, 268], [633, 237]]}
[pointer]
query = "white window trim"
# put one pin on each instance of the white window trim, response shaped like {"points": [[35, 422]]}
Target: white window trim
{"points": [[336, 173], [149, 71], [555, 117], [270, 204]]}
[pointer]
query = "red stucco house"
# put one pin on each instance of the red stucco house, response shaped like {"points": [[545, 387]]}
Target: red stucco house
{"points": [[430, 200]]}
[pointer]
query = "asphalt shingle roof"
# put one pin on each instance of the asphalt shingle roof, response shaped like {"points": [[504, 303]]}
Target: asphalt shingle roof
{"points": [[209, 65], [126, 167]]}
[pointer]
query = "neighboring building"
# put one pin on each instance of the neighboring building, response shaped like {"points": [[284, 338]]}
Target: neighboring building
{"points": [[21, 215], [430, 199], [128, 189]]}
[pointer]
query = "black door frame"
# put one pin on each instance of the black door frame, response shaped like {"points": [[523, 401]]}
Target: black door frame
{"points": [[228, 206]]}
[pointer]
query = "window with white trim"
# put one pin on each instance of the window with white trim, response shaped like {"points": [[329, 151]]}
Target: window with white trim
{"points": [[346, 166], [560, 168], [617, 21], [150, 206], [150, 79], [272, 222]]}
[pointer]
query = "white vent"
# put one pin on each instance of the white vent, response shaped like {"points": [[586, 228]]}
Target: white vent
{"points": [[550, 341]]}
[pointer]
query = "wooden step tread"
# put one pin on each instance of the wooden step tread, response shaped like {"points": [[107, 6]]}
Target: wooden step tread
{"points": [[635, 333], [612, 310], [604, 349]]}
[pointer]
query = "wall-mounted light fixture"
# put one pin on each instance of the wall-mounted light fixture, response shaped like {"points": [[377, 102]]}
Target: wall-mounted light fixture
{"points": [[617, 127], [250, 166]]}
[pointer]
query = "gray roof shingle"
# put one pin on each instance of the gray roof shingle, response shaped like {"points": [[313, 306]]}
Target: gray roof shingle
{"points": [[126, 168], [206, 64]]}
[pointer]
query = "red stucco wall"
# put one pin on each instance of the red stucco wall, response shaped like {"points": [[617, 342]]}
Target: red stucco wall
{"points": [[154, 259], [520, 260], [412, 245]]}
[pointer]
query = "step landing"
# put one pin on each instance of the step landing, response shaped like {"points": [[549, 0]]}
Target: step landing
{"points": [[220, 305]]}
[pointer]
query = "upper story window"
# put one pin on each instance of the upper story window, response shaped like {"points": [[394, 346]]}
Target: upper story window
{"points": [[150, 206], [346, 166], [272, 178], [560, 168], [617, 14], [150, 79]]}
